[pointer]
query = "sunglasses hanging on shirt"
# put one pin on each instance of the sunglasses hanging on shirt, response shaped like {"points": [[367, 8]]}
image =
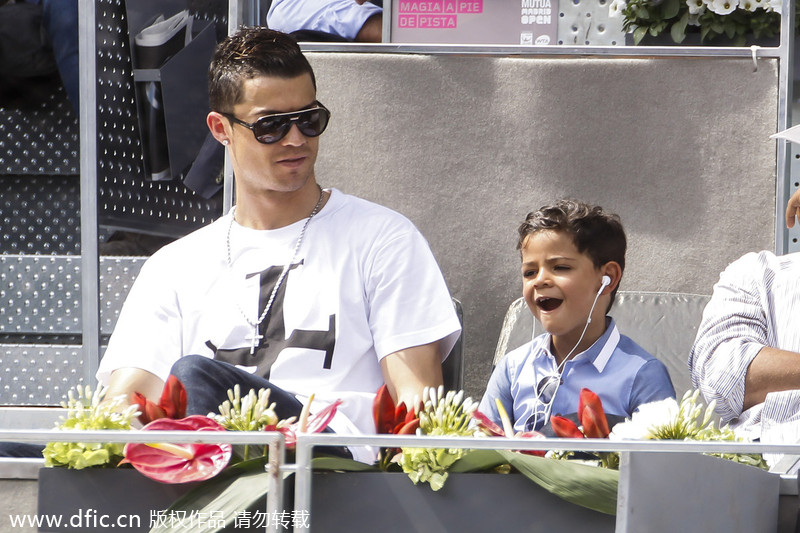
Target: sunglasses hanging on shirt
{"points": [[545, 394]]}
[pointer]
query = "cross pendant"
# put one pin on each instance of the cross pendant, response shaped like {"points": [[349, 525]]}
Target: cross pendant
{"points": [[254, 339]]}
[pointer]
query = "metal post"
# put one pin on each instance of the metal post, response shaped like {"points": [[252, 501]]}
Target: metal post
{"points": [[783, 187], [386, 35], [90, 287], [277, 456], [240, 13], [302, 482]]}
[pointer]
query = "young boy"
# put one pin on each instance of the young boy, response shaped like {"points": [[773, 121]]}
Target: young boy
{"points": [[573, 256]]}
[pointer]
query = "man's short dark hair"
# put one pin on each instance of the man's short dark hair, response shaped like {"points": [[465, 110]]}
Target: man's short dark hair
{"points": [[250, 53], [595, 232]]}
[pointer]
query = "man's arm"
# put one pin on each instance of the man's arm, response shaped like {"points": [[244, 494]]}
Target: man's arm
{"points": [[770, 371], [731, 334], [409, 371], [372, 30]]}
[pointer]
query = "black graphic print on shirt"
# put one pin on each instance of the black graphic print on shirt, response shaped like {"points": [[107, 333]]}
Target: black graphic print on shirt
{"points": [[272, 331]]}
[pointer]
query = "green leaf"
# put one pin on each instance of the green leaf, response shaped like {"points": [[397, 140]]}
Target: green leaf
{"points": [[341, 464], [478, 461], [671, 8], [678, 30], [588, 486], [639, 33], [237, 489]]}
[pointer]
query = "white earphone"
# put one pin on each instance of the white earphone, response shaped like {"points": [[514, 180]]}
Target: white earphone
{"points": [[604, 282]]}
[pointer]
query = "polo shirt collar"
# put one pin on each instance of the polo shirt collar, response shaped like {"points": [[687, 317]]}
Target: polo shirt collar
{"points": [[598, 353]]}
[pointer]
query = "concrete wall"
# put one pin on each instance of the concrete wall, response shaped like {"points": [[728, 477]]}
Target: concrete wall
{"points": [[466, 146], [19, 497]]}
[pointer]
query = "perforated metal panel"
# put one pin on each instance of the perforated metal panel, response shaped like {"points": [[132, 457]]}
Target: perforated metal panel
{"points": [[41, 139], [41, 295], [37, 374], [126, 199], [39, 215], [40, 322], [586, 22]]}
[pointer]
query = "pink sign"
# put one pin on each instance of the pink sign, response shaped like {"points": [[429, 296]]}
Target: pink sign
{"points": [[523, 22], [437, 21], [476, 6], [432, 8]]}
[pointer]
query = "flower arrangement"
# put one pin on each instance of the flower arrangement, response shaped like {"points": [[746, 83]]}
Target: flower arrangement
{"points": [[87, 410], [712, 19], [667, 419], [240, 480], [442, 414]]}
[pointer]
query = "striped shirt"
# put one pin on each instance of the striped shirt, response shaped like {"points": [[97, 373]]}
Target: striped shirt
{"points": [[756, 303]]}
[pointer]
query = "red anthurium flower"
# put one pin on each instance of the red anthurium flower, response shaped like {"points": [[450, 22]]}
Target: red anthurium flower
{"points": [[383, 411], [171, 405], [306, 424], [490, 428], [487, 425], [148, 411], [591, 415], [179, 463], [392, 419], [565, 428], [173, 398]]}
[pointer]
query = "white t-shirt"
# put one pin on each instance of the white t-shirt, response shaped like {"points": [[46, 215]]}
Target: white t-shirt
{"points": [[364, 284]]}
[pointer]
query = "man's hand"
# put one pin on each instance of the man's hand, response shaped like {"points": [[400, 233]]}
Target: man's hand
{"points": [[409, 371], [126, 381], [793, 209]]}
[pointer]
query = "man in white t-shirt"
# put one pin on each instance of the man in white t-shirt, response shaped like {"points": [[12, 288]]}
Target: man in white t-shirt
{"points": [[300, 289]]}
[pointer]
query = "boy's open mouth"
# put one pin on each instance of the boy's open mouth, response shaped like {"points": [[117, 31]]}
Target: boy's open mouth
{"points": [[548, 304]]}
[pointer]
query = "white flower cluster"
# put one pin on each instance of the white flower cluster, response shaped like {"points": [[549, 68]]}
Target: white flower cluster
{"points": [[251, 413], [90, 411], [698, 7], [442, 414], [645, 420]]}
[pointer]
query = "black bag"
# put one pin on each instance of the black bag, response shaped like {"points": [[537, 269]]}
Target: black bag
{"points": [[24, 49]]}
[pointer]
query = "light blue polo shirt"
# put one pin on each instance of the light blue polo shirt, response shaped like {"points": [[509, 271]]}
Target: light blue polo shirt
{"points": [[617, 369]]}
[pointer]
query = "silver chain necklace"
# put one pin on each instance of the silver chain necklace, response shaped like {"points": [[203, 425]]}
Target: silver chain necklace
{"points": [[256, 337]]}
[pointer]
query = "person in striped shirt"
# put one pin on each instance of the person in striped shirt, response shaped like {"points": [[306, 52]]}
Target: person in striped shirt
{"points": [[746, 355]]}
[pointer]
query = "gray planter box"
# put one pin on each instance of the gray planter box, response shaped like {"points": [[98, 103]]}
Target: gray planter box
{"points": [[665, 492], [658, 493], [86, 499], [390, 502]]}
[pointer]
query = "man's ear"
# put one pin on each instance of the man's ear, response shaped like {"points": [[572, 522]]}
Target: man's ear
{"points": [[219, 127], [613, 271]]}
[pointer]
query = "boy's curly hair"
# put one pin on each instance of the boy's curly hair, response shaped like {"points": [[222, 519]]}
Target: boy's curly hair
{"points": [[595, 232]]}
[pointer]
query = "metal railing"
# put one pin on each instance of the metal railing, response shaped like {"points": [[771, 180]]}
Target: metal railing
{"points": [[306, 443]]}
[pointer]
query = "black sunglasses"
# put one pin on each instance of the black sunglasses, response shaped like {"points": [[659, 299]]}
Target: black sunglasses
{"points": [[272, 128]]}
